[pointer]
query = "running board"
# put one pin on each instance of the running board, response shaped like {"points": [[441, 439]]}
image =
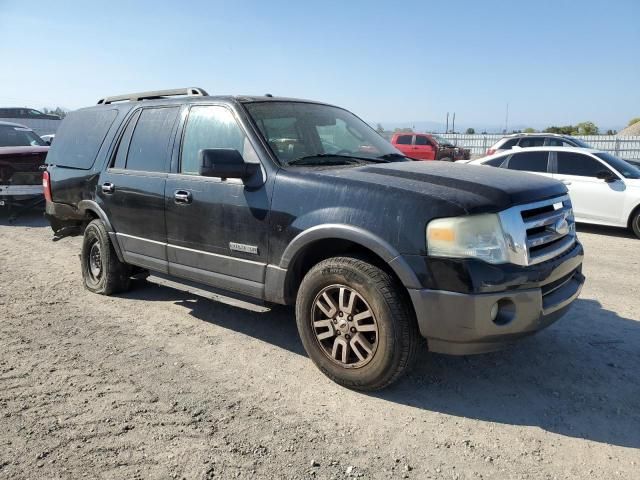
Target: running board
{"points": [[210, 293]]}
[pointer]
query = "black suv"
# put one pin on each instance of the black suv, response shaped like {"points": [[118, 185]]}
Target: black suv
{"points": [[298, 202]]}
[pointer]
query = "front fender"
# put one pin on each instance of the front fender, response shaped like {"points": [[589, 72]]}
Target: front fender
{"points": [[356, 235]]}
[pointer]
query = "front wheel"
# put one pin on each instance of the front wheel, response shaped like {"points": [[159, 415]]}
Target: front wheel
{"points": [[355, 323], [102, 272]]}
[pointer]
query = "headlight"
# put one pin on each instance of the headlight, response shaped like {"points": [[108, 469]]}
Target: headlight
{"points": [[474, 236]]}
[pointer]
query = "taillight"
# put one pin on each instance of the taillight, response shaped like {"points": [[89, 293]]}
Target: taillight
{"points": [[491, 151], [46, 186]]}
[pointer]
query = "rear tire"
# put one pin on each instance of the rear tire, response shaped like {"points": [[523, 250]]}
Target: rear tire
{"points": [[345, 304], [102, 272], [635, 223]]}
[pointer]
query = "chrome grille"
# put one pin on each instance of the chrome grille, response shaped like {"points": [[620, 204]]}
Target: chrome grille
{"points": [[539, 231]]}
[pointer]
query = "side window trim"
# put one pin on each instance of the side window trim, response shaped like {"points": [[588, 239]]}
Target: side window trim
{"points": [[131, 119]]}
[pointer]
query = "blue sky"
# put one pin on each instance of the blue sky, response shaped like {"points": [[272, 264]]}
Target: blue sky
{"points": [[555, 62]]}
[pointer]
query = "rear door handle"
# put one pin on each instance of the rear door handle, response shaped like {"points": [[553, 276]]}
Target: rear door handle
{"points": [[182, 196], [108, 187]]}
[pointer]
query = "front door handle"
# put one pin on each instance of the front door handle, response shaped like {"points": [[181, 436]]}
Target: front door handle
{"points": [[108, 187], [182, 196], [566, 182]]}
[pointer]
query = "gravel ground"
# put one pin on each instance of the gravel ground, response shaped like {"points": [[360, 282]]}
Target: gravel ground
{"points": [[161, 383]]}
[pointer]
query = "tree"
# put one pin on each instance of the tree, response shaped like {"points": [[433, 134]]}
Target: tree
{"points": [[586, 128], [566, 130], [529, 130], [633, 120], [611, 132], [471, 131]]}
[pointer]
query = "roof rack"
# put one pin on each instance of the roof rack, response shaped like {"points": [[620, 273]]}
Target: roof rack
{"points": [[134, 97]]}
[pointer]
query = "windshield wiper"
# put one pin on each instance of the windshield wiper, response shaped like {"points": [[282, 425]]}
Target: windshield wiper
{"points": [[342, 159], [391, 156]]}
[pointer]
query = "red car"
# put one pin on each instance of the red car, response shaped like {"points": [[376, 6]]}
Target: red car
{"points": [[425, 146], [22, 152]]}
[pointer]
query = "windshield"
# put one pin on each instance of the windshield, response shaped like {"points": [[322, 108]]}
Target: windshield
{"points": [[443, 141], [624, 168], [11, 136], [328, 135]]}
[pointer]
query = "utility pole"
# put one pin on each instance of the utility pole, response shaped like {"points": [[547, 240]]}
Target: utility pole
{"points": [[446, 129], [453, 124], [506, 120]]}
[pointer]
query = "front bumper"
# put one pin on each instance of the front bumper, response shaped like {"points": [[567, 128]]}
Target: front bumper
{"points": [[464, 323]]}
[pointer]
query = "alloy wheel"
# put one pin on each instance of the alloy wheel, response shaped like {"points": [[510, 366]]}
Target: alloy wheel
{"points": [[345, 326]]}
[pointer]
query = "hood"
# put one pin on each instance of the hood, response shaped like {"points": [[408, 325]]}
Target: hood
{"points": [[474, 189]]}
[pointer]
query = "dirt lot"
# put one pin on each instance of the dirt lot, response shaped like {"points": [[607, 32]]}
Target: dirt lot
{"points": [[159, 383]]}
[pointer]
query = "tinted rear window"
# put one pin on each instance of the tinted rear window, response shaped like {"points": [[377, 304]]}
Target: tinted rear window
{"points": [[79, 138], [529, 161], [150, 141]]}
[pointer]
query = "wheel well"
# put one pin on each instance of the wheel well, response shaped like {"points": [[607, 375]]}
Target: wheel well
{"points": [[320, 250]]}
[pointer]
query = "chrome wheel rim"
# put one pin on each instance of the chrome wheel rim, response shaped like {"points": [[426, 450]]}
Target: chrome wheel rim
{"points": [[345, 326], [94, 262]]}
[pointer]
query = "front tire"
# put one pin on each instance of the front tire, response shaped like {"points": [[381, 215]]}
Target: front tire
{"points": [[102, 272], [356, 324]]}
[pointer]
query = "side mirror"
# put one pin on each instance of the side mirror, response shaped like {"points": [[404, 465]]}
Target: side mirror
{"points": [[607, 176], [225, 163]]}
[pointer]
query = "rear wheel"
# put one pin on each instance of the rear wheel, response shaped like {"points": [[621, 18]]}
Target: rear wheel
{"points": [[635, 223], [102, 272], [355, 323]]}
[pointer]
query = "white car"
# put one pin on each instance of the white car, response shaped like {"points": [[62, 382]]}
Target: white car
{"points": [[604, 189]]}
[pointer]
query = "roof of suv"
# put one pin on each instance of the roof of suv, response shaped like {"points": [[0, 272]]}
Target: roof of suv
{"points": [[541, 134]]}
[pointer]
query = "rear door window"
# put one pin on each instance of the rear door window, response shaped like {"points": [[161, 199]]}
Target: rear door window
{"points": [[149, 146], [571, 163], [527, 142], [404, 140], [529, 161]]}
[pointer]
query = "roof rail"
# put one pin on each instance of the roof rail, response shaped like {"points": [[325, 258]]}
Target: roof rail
{"points": [[134, 97]]}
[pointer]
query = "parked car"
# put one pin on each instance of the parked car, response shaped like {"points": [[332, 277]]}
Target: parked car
{"points": [[22, 112], [604, 189], [48, 139], [22, 153], [239, 193], [425, 146], [528, 140]]}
